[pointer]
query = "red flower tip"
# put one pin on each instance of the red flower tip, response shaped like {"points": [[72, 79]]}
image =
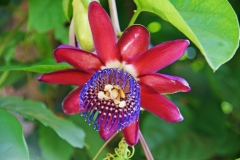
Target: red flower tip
{"points": [[39, 78], [131, 133], [71, 103], [105, 132], [180, 118]]}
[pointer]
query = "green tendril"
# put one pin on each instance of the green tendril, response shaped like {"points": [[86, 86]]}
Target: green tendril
{"points": [[122, 152]]}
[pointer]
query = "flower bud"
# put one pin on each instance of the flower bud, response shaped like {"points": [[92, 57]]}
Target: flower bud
{"points": [[81, 25]]}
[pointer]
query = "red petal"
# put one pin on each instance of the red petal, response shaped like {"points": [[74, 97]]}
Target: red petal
{"points": [[159, 56], [103, 33], [165, 84], [131, 133], [107, 133], [134, 40], [77, 58], [71, 104], [68, 76], [159, 105]]}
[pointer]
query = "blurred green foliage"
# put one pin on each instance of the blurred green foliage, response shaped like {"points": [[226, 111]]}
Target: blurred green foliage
{"points": [[30, 30]]}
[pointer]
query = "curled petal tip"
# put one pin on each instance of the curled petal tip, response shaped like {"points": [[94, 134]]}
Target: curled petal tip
{"points": [[39, 78], [180, 118], [189, 89]]}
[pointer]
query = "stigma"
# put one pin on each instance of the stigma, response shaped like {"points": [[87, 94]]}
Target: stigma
{"points": [[111, 98]]}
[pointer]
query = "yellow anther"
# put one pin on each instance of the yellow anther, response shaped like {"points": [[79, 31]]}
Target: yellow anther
{"points": [[107, 94], [114, 94], [122, 94], [101, 95], [116, 101], [108, 87], [122, 104], [118, 97], [116, 87]]}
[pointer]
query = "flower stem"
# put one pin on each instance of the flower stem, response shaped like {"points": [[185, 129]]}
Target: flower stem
{"points": [[104, 145], [146, 150], [134, 17], [114, 16]]}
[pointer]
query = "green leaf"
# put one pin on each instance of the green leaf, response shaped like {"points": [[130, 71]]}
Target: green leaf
{"points": [[228, 144], [8, 45], [9, 78], [175, 141], [12, 142], [45, 15], [37, 110], [41, 67], [61, 34], [53, 147], [211, 25], [67, 8], [42, 43]]}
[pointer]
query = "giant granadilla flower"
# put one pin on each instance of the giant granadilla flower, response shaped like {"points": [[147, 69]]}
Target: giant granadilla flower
{"points": [[120, 79]]}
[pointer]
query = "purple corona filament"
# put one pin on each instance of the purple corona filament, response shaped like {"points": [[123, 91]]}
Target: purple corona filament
{"points": [[105, 111]]}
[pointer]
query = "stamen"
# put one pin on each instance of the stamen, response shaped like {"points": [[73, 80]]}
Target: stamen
{"points": [[122, 94]]}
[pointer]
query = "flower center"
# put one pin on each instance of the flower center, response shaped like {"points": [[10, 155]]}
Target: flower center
{"points": [[114, 93], [111, 98]]}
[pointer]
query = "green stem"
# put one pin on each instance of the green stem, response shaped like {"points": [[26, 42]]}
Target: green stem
{"points": [[125, 156], [146, 150], [114, 16], [134, 17], [104, 145]]}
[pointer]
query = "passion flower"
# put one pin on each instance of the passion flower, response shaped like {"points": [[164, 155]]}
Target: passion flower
{"points": [[114, 84]]}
